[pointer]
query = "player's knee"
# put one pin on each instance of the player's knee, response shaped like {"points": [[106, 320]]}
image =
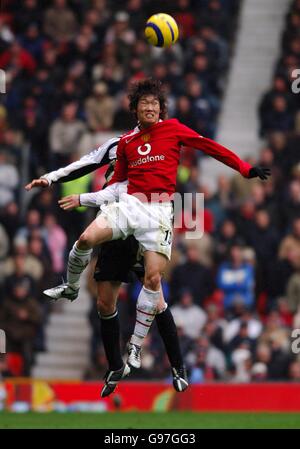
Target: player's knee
{"points": [[85, 241], [104, 307], [152, 281]]}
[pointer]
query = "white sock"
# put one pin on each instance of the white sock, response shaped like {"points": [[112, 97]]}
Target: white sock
{"points": [[145, 313], [78, 260]]}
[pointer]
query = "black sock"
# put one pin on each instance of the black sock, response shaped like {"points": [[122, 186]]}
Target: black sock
{"points": [[167, 329], [110, 332]]}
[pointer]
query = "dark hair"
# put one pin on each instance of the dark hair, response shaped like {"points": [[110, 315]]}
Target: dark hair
{"points": [[148, 86]]}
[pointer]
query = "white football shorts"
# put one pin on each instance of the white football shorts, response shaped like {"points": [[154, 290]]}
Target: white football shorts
{"points": [[150, 223]]}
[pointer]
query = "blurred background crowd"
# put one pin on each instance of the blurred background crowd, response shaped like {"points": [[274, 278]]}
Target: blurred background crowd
{"points": [[235, 293]]}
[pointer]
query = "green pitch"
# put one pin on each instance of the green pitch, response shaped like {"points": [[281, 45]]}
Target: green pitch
{"points": [[134, 420]]}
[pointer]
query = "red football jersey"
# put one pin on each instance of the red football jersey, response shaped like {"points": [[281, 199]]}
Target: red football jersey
{"points": [[149, 158]]}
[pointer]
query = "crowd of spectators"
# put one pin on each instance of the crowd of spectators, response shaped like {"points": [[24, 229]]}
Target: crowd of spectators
{"points": [[234, 293]]}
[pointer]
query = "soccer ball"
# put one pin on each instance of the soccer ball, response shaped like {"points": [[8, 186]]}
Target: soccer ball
{"points": [[161, 30]]}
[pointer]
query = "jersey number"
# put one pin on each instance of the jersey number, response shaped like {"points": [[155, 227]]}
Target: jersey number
{"points": [[168, 237]]}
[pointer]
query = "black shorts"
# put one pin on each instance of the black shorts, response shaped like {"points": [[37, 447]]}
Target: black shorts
{"points": [[117, 261]]}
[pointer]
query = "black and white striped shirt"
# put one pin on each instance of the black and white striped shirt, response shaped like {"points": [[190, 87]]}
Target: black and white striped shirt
{"points": [[103, 155]]}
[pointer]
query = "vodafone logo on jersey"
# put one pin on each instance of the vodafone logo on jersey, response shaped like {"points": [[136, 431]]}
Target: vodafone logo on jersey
{"points": [[145, 149], [145, 160]]}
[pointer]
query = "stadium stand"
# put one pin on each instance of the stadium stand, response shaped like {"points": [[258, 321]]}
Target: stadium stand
{"points": [[235, 292]]}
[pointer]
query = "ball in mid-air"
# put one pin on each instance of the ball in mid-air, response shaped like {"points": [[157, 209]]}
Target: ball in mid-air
{"points": [[161, 30]]}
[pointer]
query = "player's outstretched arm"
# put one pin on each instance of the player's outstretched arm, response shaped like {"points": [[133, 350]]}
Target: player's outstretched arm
{"points": [[110, 194], [191, 138], [86, 164]]}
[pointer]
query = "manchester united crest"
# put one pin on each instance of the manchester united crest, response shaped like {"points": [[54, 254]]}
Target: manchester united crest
{"points": [[145, 137]]}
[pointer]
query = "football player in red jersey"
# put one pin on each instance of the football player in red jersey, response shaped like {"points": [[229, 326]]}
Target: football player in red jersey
{"points": [[117, 261], [147, 161]]}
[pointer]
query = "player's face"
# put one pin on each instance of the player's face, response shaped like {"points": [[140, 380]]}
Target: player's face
{"points": [[148, 110]]}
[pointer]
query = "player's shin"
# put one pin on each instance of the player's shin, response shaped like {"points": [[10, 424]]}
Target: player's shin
{"points": [[110, 333], [167, 329], [78, 260], [168, 332], [146, 309]]}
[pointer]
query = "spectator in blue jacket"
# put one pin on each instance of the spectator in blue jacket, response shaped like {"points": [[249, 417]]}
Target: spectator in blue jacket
{"points": [[236, 278]]}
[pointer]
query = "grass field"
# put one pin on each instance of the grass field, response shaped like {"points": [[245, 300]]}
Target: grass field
{"points": [[133, 420]]}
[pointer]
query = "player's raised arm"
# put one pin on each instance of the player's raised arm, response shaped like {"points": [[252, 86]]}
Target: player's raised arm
{"points": [[88, 163], [191, 138]]}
